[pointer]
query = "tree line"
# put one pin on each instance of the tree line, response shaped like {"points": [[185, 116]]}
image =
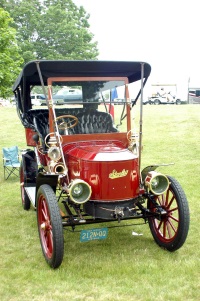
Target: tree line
{"points": [[41, 29]]}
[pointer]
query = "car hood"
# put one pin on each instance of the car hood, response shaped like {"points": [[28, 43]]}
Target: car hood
{"points": [[99, 151]]}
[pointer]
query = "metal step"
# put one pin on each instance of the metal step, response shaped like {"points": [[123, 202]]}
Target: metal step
{"points": [[31, 191]]}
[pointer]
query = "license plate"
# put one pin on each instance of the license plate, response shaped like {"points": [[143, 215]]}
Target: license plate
{"points": [[93, 234]]}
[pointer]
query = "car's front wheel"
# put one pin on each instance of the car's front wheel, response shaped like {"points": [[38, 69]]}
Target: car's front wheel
{"points": [[170, 230], [50, 226]]}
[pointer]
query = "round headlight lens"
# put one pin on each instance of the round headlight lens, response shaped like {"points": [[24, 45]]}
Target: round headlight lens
{"points": [[77, 190], [155, 182], [54, 153]]}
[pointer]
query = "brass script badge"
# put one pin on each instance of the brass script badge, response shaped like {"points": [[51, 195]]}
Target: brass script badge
{"points": [[114, 174]]}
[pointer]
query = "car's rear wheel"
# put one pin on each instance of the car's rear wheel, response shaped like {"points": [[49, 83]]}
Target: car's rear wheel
{"points": [[50, 226], [170, 230], [24, 197]]}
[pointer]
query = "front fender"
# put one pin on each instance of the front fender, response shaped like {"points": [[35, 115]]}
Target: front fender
{"points": [[51, 180], [149, 168]]}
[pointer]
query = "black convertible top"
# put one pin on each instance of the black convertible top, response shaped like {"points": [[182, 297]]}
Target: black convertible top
{"points": [[29, 75], [36, 73]]}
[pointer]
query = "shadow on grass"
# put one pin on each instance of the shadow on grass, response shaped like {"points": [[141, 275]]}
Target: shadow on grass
{"points": [[120, 248]]}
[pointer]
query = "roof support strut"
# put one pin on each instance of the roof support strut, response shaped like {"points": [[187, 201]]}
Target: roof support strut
{"points": [[141, 115]]}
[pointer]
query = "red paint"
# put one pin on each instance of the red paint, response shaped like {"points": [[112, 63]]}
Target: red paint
{"points": [[29, 136], [96, 162]]}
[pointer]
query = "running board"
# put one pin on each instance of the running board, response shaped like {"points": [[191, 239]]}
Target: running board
{"points": [[31, 191]]}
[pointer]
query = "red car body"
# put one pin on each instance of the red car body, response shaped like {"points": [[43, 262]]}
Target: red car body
{"points": [[85, 165]]}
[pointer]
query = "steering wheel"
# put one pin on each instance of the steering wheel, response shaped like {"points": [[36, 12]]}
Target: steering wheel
{"points": [[66, 121]]}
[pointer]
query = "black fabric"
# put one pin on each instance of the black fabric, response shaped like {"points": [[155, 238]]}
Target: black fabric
{"points": [[41, 126], [30, 166], [38, 114], [89, 68]]}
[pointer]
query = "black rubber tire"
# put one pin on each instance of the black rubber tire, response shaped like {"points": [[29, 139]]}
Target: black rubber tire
{"points": [[171, 230], [156, 101], [26, 204], [50, 226]]}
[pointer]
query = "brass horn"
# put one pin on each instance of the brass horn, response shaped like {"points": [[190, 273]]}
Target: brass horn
{"points": [[59, 168], [156, 182], [79, 191]]}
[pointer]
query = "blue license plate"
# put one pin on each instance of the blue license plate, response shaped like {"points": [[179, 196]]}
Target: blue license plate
{"points": [[93, 234]]}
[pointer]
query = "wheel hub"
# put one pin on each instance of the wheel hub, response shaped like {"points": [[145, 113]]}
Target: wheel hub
{"points": [[45, 226]]}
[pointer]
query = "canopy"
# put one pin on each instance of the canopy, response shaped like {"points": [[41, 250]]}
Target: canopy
{"points": [[30, 76]]}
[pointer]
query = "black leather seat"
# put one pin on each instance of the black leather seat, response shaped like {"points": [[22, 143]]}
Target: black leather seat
{"points": [[89, 121], [94, 122]]}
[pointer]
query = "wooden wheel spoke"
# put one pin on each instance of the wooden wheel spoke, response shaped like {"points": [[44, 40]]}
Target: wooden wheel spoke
{"points": [[160, 224], [49, 241], [169, 228], [164, 229], [174, 218], [174, 209], [44, 211], [171, 201], [172, 226]]}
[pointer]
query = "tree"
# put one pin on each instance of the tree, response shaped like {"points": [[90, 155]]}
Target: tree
{"points": [[10, 60], [52, 29]]}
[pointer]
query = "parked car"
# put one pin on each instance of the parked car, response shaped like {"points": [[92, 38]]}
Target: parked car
{"points": [[58, 99], [67, 95], [38, 99], [82, 166]]}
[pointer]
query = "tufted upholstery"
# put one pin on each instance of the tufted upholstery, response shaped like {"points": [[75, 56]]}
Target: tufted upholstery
{"points": [[41, 115], [89, 121], [93, 122]]}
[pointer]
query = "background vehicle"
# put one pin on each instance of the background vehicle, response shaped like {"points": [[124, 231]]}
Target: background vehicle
{"points": [[67, 94], [168, 99], [38, 99], [58, 99], [166, 93], [85, 165], [194, 95]]}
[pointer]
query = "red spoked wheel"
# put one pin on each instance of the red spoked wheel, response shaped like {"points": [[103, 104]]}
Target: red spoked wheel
{"points": [[170, 229], [50, 226], [24, 197]]}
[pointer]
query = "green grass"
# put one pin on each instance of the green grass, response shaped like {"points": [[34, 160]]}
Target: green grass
{"points": [[122, 267]]}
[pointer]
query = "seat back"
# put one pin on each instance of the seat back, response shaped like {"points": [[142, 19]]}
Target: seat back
{"points": [[10, 155], [90, 122], [41, 124]]}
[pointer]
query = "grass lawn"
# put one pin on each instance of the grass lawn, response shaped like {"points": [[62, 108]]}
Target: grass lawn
{"points": [[122, 267]]}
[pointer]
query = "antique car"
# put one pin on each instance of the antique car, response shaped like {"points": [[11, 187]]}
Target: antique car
{"points": [[83, 161]]}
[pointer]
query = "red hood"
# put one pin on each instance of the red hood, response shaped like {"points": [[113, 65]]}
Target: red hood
{"points": [[109, 168], [98, 151]]}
